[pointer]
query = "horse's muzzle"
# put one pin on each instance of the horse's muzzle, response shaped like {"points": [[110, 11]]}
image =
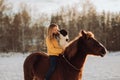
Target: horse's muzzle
{"points": [[103, 52]]}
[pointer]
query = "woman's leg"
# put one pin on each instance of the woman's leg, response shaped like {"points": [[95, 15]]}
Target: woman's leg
{"points": [[53, 62]]}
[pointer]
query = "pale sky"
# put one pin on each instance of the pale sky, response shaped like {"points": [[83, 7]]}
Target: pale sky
{"points": [[49, 6]]}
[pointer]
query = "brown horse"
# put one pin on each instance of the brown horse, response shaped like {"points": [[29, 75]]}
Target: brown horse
{"points": [[70, 63]]}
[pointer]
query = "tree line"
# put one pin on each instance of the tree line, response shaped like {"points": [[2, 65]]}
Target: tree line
{"points": [[19, 32]]}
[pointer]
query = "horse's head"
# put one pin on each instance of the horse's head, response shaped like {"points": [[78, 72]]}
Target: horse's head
{"points": [[84, 44], [91, 45]]}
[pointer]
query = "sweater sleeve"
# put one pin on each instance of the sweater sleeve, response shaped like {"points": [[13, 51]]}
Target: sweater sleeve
{"points": [[52, 49]]}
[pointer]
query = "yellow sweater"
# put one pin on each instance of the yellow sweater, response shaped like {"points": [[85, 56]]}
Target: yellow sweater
{"points": [[53, 47]]}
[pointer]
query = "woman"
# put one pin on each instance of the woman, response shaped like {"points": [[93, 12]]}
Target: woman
{"points": [[53, 48]]}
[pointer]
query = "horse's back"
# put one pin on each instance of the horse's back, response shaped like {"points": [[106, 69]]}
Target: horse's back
{"points": [[35, 57]]}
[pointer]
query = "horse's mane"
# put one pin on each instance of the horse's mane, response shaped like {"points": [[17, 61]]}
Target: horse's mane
{"points": [[73, 44]]}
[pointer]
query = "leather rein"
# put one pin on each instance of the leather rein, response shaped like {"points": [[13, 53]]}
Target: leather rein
{"points": [[74, 67]]}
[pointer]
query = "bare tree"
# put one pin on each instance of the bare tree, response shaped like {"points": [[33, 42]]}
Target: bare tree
{"points": [[25, 16]]}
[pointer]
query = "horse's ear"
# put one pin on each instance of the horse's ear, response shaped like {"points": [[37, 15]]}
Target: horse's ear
{"points": [[83, 33]]}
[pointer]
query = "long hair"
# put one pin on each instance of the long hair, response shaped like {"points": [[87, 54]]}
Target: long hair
{"points": [[49, 32]]}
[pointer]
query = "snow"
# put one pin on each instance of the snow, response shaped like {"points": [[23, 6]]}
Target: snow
{"points": [[11, 66], [106, 68], [96, 68]]}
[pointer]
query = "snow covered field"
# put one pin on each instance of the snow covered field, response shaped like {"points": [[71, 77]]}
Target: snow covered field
{"points": [[96, 68]]}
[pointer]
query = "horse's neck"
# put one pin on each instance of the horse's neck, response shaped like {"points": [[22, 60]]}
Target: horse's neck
{"points": [[79, 60], [72, 74], [76, 56]]}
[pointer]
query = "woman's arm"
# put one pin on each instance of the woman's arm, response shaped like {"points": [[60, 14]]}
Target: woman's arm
{"points": [[53, 49]]}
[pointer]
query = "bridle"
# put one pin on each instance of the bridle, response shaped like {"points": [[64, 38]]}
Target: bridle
{"points": [[74, 67]]}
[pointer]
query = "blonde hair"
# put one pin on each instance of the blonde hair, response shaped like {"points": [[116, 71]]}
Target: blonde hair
{"points": [[49, 32]]}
